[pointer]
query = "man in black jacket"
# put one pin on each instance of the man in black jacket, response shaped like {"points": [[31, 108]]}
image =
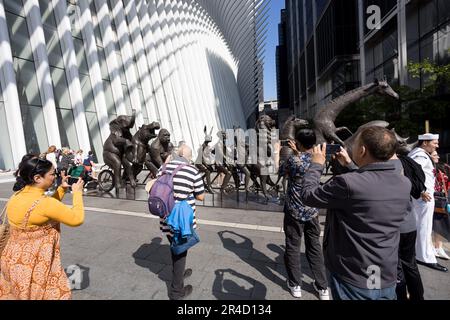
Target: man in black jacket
{"points": [[366, 209], [409, 281]]}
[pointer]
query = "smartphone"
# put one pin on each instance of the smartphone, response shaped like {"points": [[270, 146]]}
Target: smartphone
{"points": [[284, 143], [333, 149], [71, 181]]}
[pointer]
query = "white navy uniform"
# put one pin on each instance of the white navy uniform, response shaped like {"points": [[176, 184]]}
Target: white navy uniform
{"points": [[424, 210]]}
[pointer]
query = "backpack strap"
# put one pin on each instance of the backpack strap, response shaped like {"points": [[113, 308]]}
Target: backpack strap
{"points": [[177, 169]]}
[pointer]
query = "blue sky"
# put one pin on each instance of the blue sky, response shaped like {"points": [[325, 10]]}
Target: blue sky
{"points": [[270, 80]]}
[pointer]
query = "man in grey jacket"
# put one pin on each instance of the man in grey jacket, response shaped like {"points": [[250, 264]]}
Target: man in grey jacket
{"points": [[366, 209]]}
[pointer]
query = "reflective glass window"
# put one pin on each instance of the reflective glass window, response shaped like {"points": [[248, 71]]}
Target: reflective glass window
{"points": [[27, 86], [60, 88], [75, 26], [102, 62], [86, 90], [67, 129], [19, 36], [94, 136], [54, 52], [6, 159], [109, 100], [34, 129], [81, 56], [14, 6], [48, 18]]}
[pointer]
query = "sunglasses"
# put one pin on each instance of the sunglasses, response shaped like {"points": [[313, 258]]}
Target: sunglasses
{"points": [[39, 159]]}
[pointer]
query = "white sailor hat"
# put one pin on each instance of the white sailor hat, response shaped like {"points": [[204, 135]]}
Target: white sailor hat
{"points": [[428, 137]]}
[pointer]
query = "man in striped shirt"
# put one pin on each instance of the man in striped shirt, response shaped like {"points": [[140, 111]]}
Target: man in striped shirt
{"points": [[187, 185]]}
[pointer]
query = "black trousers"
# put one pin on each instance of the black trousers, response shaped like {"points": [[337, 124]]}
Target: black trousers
{"points": [[408, 276], [176, 290], [293, 229]]}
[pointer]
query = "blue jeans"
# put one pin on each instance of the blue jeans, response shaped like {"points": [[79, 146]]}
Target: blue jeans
{"points": [[344, 291]]}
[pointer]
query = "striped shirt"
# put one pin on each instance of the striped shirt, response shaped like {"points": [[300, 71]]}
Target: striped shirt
{"points": [[187, 183]]}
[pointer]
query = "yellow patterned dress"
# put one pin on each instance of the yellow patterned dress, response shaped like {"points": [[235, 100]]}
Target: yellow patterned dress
{"points": [[30, 264]]}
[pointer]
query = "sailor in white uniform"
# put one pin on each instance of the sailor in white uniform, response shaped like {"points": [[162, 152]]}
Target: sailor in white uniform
{"points": [[424, 207]]}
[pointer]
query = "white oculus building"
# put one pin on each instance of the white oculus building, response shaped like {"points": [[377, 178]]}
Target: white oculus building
{"points": [[67, 68]]}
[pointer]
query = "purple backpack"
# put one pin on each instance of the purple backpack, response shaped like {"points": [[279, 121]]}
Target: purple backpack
{"points": [[161, 200]]}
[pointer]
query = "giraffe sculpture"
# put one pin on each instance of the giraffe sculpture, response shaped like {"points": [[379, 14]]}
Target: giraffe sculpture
{"points": [[325, 128]]}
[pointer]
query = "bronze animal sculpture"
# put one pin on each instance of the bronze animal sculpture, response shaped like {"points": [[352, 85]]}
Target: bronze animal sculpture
{"points": [[205, 162], [160, 149], [403, 147], [288, 132], [222, 163], [240, 152], [325, 128], [263, 126], [135, 157], [118, 142]]}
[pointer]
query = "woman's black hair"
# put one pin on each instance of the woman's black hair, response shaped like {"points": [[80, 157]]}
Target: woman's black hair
{"points": [[30, 166], [306, 138]]}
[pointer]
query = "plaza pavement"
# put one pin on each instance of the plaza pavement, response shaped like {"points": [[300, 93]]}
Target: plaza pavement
{"points": [[240, 256]]}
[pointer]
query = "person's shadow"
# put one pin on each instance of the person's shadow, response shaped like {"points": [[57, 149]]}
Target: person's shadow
{"points": [[145, 257], [265, 269], [226, 289]]}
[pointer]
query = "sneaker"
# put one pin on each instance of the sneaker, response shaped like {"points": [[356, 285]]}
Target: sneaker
{"points": [[187, 273], [296, 291], [440, 253], [323, 293]]}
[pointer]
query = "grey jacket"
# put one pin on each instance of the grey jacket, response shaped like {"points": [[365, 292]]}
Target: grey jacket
{"points": [[366, 209]]}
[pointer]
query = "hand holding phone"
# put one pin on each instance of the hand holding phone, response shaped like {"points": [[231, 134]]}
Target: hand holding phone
{"points": [[284, 143], [332, 149]]}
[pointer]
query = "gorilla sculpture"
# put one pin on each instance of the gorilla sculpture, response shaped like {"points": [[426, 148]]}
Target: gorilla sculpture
{"points": [[160, 149], [135, 157], [117, 144]]}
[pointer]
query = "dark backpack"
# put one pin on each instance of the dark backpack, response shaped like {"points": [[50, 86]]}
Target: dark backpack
{"points": [[414, 172], [161, 200]]}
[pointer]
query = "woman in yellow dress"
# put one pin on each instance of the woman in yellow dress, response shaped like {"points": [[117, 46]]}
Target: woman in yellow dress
{"points": [[30, 263]]}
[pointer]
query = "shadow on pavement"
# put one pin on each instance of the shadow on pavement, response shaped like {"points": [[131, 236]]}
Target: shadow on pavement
{"points": [[226, 289], [155, 257], [266, 269]]}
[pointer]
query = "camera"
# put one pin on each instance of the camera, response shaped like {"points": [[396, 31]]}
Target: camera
{"points": [[333, 149], [284, 143]]}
